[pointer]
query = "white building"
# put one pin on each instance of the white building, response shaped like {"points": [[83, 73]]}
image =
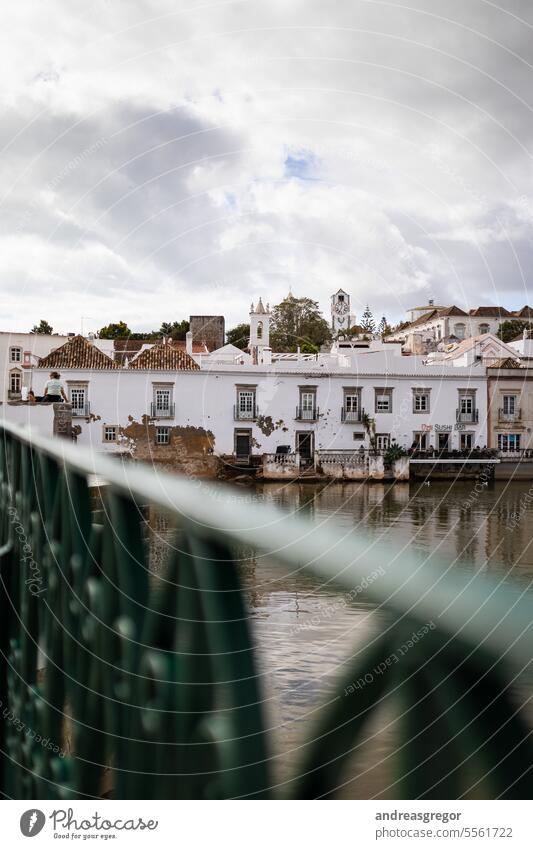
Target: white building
{"points": [[310, 405], [427, 326], [19, 353]]}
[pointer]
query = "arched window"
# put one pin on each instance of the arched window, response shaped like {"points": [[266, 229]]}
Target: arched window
{"points": [[484, 328], [459, 330], [259, 329]]}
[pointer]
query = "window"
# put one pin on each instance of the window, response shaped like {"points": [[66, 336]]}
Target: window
{"points": [[259, 329], [484, 328], [15, 382], [110, 433], [509, 405], [78, 399], [307, 405], [459, 330], [15, 355], [162, 435], [420, 440], [340, 299], [358, 436], [420, 400], [382, 441], [246, 404], [351, 411], [162, 399], [351, 402], [162, 406], [509, 441], [466, 441], [383, 402]]}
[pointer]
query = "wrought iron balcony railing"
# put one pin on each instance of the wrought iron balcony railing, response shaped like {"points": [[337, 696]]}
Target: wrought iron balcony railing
{"points": [[351, 415], [468, 417], [159, 412], [305, 414], [241, 415], [507, 416], [81, 410], [159, 693]]}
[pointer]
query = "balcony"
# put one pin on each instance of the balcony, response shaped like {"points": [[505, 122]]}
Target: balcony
{"points": [[307, 415], [471, 417], [81, 411], [349, 416], [158, 412], [240, 415], [507, 416]]}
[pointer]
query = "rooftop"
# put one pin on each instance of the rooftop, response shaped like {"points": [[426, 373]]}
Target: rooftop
{"points": [[77, 353]]}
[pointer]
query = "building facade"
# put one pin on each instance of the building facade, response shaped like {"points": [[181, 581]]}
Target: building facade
{"points": [[306, 406]]}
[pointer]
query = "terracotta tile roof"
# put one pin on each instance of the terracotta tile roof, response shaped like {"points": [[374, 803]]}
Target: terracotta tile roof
{"points": [[453, 310], [507, 362], [165, 356], [77, 353], [488, 312], [525, 312], [197, 347]]}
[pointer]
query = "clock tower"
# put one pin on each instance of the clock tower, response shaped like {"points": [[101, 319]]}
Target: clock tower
{"points": [[341, 320]]}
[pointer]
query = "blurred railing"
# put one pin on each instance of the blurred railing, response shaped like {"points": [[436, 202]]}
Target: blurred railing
{"points": [[146, 694]]}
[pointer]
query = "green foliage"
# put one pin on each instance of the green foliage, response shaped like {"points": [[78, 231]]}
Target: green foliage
{"points": [[298, 321], [367, 321], [119, 330], [177, 330], [384, 327], [238, 336], [509, 330], [394, 452], [43, 327]]}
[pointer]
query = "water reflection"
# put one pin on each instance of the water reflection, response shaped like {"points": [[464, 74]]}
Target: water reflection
{"points": [[306, 633]]}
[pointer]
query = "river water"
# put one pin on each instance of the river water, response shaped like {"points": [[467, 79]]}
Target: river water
{"points": [[302, 647]]}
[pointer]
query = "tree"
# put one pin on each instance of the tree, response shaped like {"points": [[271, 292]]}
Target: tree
{"points": [[43, 327], [384, 327], [177, 330], [509, 330], [298, 322], [119, 330], [238, 336], [367, 321]]}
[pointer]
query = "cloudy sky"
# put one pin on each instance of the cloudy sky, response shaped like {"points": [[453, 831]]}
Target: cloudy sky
{"points": [[166, 158]]}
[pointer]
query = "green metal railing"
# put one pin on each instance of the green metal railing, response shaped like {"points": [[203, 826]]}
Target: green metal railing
{"points": [[158, 694]]}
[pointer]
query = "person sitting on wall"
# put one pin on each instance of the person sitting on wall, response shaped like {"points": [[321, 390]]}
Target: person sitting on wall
{"points": [[54, 390]]}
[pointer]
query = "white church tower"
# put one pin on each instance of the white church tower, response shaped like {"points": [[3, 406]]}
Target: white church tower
{"points": [[259, 345], [341, 319]]}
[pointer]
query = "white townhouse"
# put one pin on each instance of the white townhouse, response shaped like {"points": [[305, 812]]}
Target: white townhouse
{"points": [[164, 400], [21, 352], [430, 325]]}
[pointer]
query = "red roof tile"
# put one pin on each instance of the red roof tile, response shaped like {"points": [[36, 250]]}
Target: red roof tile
{"points": [[165, 356], [77, 353]]}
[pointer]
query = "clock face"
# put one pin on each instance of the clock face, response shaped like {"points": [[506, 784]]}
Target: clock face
{"points": [[341, 307]]}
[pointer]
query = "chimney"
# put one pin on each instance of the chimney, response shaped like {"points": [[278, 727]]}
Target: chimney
{"points": [[188, 342]]}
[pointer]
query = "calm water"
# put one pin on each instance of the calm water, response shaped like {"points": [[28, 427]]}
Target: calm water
{"points": [[302, 647]]}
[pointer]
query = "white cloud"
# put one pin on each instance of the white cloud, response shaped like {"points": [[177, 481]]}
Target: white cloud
{"points": [[160, 160]]}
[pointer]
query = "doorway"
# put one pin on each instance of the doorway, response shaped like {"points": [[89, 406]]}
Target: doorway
{"points": [[305, 447], [243, 444], [443, 443]]}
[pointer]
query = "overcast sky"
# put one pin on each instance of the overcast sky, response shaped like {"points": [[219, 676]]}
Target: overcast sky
{"points": [[167, 158]]}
